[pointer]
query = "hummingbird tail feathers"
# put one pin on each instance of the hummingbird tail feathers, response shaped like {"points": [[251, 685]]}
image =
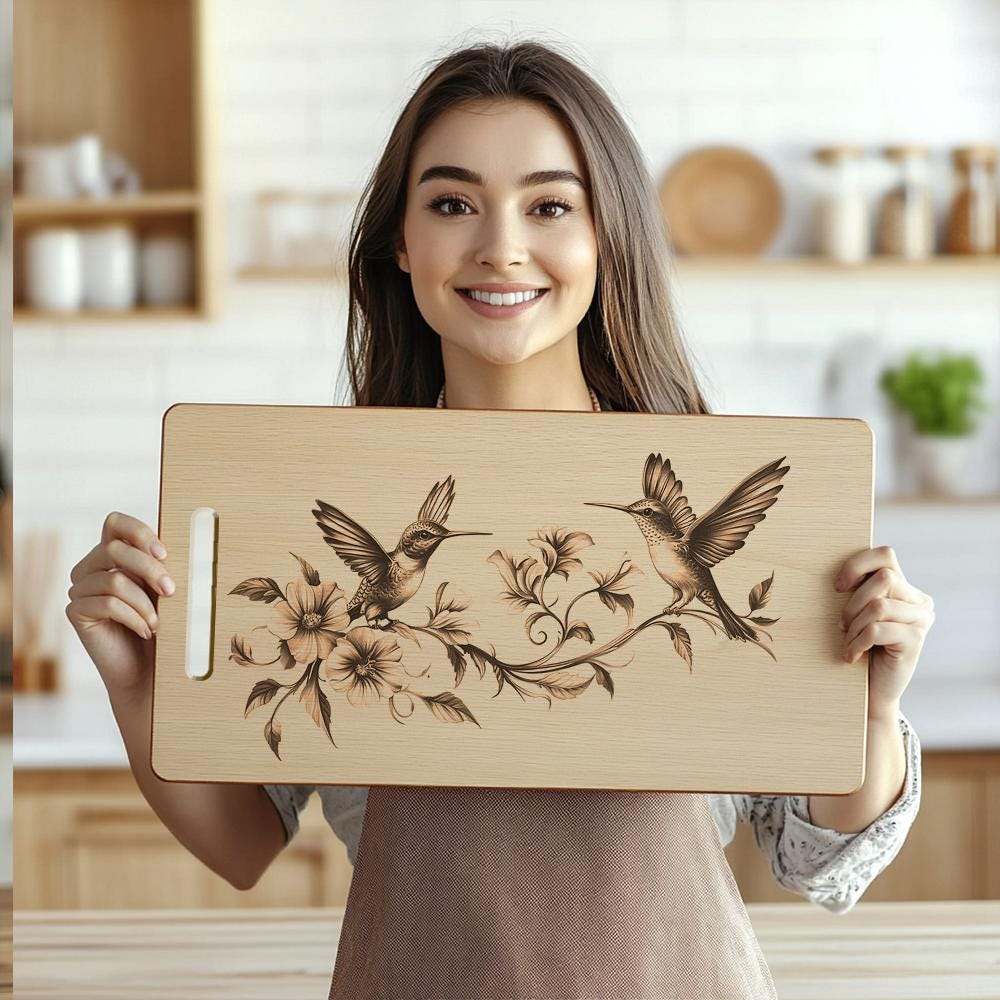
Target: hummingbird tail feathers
{"points": [[735, 627]]}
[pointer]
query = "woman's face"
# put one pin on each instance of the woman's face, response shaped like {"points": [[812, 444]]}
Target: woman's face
{"points": [[471, 222]]}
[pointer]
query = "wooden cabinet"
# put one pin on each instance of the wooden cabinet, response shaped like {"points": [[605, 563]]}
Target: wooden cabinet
{"points": [[88, 839], [136, 73]]}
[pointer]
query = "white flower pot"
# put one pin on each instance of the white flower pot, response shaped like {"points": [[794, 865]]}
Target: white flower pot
{"points": [[939, 462]]}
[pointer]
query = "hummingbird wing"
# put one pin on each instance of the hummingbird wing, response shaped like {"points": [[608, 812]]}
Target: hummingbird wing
{"points": [[438, 502], [660, 483], [720, 531], [354, 544]]}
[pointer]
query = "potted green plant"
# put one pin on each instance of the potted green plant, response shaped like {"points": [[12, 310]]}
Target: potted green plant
{"points": [[941, 397]]}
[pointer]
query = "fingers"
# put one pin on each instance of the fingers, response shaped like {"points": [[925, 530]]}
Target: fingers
{"points": [[883, 582], [864, 562], [127, 549], [131, 529], [102, 607], [890, 610], [124, 590], [895, 636], [110, 581]]}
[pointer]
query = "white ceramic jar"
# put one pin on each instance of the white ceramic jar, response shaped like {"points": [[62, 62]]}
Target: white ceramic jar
{"points": [[53, 266], [110, 267], [166, 270]]}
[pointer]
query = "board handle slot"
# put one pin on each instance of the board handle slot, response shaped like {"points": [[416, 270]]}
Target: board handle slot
{"points": [[203, 551]]}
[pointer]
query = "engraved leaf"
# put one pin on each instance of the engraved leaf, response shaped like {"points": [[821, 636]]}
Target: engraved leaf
{"points": [[611, 588], [761, 592], [478, 657], [614, 601], [240, 652], [448, 707], [405, 631], [580, 630], [457, 660], [681, 638], [316, 702], [285, 656], [311, 576], [261, 694], [760, 620], [565, 687], [604, 678], [259, 588], [272, 733]]}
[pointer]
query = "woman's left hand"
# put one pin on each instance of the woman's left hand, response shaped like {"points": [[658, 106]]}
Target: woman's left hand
{"points": [[887, 614]]}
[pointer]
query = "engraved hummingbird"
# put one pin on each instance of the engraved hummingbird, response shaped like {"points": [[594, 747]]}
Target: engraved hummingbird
{"points": [[683, 548], [389, 579]]}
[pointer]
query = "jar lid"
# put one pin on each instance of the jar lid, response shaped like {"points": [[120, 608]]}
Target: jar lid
{"points": [[977, 153], [829, 154], [901, 152]]}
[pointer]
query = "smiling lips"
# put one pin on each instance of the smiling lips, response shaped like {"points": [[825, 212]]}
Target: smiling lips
{"points": [[529, 296]]}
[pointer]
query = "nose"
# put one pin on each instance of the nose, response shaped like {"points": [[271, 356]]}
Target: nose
{"points": [[502, 241]]}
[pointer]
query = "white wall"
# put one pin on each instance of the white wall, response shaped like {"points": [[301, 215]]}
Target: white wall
{"points": [[308, 90]]}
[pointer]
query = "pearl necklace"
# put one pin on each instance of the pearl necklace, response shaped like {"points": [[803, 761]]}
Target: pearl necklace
{"points": [[593, 399]]}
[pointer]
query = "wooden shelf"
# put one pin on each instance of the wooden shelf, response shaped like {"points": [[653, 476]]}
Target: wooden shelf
{"points": [[292, 274], [147, 203], [22, 314], [138, 75], [972, 500], [941, 266], [984, 268]]}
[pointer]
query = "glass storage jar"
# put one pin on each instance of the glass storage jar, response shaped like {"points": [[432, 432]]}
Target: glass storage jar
{"points": [[842, 225], [905, 225], [972, 219]]}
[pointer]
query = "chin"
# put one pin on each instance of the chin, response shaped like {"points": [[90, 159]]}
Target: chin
{"points": [[503, 350]]}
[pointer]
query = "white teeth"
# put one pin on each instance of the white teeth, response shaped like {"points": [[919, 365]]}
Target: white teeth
{"points": [[505, 299]]}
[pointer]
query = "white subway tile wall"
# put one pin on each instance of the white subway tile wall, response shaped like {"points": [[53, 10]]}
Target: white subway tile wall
{"points": [[308, 91]]}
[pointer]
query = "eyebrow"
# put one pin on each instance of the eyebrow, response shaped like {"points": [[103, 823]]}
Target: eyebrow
{"points": [[474, 177]]}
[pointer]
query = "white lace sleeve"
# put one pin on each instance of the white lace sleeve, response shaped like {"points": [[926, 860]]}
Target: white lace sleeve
{"points": [[289, 801], [826, 866]]}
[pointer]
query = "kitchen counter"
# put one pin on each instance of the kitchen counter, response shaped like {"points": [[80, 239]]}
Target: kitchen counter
{"points": [[877, 951], [78, 729]]}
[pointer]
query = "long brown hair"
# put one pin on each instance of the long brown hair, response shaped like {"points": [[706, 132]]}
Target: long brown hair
{"points": [[631, 348]]}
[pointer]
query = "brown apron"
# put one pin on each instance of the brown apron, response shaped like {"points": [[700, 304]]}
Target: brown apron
{"points": [[544, 894]]}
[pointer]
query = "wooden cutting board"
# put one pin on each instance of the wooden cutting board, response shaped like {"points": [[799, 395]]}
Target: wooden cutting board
{"points": [[552, 599]]}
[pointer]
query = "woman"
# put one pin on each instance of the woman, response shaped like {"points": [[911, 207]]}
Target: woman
{"points": [[509, 166]]}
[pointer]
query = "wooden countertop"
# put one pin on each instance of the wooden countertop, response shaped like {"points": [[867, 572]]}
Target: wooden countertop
{"points": [[877, 951]]}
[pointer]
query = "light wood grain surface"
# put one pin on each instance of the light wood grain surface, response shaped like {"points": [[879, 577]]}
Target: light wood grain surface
{"points": [[877, 951], [506, 687]]}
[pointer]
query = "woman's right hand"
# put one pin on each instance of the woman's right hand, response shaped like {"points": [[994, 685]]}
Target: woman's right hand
{"points": [[113, 601]]}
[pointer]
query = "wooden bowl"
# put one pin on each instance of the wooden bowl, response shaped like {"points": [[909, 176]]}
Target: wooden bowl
{"points": [[721, 200]]}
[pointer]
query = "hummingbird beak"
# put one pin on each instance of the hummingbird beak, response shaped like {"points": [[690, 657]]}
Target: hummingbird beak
{"points": [[613, 506], [452, 534]]}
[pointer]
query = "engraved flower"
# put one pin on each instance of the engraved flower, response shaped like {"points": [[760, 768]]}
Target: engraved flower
{"points": [[366, 664], [311, 618], [558, 545]]}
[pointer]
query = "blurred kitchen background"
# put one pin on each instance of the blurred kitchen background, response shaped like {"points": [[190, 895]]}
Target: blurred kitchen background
{"points": [[184, 173], [6, 511]]}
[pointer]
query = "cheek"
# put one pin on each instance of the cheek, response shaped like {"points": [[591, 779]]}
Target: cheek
{"points": [[572, 260], [432, 251]]}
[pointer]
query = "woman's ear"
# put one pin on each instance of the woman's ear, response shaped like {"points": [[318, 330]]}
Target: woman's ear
{"points": [[402, 258]]}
